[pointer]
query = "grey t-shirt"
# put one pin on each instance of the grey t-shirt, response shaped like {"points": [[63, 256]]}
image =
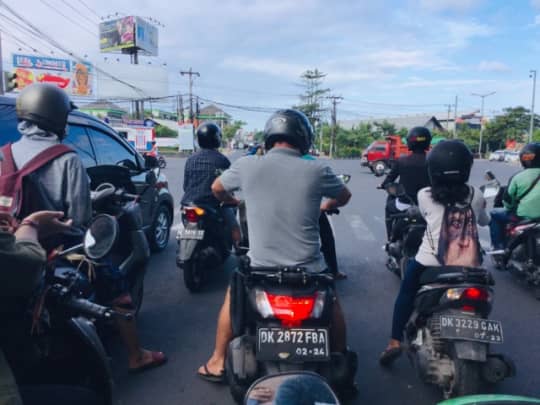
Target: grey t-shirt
{"points": [[283, 195]]}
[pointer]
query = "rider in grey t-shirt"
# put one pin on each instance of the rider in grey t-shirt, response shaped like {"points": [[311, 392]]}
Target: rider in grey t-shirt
{"points": [[283, 197]]}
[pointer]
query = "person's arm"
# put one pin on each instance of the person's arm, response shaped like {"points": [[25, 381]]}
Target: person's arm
{"points": [[227, 183], [392, 176], [510, 194], [77, 195], [222, 194], [334, 190]]}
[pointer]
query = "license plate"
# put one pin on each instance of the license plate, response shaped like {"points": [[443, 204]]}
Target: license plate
{"points": [[478, 330], [197, 234], [295, 344]]}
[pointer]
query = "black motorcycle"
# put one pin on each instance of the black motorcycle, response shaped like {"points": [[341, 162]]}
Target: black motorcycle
{"points": [[114, 194], [64, 348], [204, 243], [408, 229], [281, 322], [521, 254], [449, 335]]}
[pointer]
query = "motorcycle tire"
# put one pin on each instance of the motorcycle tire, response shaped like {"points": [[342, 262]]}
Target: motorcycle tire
{"points": [[379, 168], [238, 389], [193, 278], [162, 163], [467, 380]]}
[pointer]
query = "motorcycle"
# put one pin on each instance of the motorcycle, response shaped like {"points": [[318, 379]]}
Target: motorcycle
{"points": [[281, 322], [521, 255], [204, 243], [292, 388], [131, 251], [64, 348], [449, 335], [407, 232], [162, 162]]}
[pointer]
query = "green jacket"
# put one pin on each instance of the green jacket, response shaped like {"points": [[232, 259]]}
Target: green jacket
{"points": [[529, 206]]}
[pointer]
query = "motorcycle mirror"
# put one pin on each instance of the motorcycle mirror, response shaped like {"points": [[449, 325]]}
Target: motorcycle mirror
{"points": [[489, 176], [100, 237], [345, 178], [490, 191], [293, 388]]}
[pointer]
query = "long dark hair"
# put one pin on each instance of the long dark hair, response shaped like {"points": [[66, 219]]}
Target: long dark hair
{"points": [[450, 194]]}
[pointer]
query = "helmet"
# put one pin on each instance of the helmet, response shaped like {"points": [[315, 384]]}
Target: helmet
{"points": [[449, 162], [209, 136], [530, 155], [419, 139], [290, 126], [45, 105]]}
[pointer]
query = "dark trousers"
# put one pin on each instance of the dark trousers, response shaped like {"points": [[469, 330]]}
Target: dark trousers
{"points": [[404, 306], [389, 210], [328, 243], [500, 217]]}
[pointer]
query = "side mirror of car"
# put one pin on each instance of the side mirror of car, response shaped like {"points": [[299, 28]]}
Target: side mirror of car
{"points": [[489, 176], [150, 162]]}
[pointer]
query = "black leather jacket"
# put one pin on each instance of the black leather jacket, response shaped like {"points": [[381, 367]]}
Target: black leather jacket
{"points": [[412, 173]]}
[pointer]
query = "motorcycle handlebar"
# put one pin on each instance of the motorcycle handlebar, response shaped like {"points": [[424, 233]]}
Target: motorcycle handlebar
{"points": [[94, 310]]}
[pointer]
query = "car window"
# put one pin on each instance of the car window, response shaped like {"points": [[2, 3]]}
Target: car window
{"points": [[380, 148], [110, 151], [8, 124], [78, 139]]}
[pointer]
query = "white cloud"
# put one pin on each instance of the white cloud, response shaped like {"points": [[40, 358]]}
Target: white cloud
{"points": [[535, 4], [418, 83], [493, 66], [450, 5]]}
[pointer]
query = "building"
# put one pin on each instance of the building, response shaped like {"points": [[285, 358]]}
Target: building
{"points": [[106, 111], [214, 114], [407, 122]]}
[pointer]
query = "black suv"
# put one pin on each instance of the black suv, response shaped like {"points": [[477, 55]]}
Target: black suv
{"points": [[98, 144]]}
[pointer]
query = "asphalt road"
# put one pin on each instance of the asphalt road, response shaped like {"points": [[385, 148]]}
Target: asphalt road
{"points": [[183, 325]]}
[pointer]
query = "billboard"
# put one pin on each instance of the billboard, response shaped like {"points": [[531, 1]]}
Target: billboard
{"points": [[116, 35], [153, 81], [146, 38], [185, 137], [76, 78], [125, 34]]}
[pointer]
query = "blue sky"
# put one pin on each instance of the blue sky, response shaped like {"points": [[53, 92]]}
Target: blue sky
{"points": [[386, 58]]}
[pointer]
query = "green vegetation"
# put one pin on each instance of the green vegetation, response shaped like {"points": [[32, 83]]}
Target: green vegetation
{"points": [[230, 130], [165, 132]]}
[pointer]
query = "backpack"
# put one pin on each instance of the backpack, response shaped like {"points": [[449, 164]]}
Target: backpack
{"points": [[459, 244], [11, 179]]}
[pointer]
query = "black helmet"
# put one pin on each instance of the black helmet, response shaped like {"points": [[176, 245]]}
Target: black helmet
{"points": [[419, 139], [530, 155], [209, 136], [45, 105], [290, 126], [449, 162]]}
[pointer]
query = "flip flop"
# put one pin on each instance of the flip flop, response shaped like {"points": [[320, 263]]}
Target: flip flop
{"points": [[214, 378], [158, 359], [389, 356]]}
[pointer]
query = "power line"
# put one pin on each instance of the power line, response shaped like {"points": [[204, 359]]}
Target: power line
{"points": [[68, 18], [78, 13], [89, 9]]}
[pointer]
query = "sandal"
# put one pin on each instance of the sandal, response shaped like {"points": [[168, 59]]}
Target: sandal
{"points": [[389, 356], [158, 359], [208, 376]]}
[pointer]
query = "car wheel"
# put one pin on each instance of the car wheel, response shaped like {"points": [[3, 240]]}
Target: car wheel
{"points": [[161, 229]]}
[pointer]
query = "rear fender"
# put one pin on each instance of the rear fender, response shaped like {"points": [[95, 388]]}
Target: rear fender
{"points": [[474, 351], [139, 255], [186, 248], [242, 359]]}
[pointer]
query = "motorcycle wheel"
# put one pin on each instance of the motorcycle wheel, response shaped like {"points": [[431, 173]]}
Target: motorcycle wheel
{"points": [[467, 380], [193, 278], [162, 163], [238, 390], [379, 168]]}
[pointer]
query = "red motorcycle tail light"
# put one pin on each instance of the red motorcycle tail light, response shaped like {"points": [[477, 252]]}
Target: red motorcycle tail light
{"points": [[291, 311], [475, 294], [193, 214]]}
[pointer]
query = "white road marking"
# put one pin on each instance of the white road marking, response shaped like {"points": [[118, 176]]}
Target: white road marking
{"points": [[360, 229], [378, 219]]}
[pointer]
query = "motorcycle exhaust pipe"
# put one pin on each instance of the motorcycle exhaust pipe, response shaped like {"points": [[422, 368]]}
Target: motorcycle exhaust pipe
{"points": [[497, 367]]}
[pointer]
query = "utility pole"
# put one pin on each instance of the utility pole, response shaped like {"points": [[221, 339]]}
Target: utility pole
{"points": [[532, 74], [482, 96], [455, 118], [334, 100], [179, 109], [449, 106], [1, 67], [190, 73]]}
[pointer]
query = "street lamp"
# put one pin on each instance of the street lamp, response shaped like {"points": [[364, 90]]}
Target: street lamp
{"points": [[532, 74], [482, 96]]}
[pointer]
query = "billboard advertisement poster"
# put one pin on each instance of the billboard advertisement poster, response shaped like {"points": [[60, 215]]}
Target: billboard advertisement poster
{"points": [[116, 35], [185, 137], [73, 77], [146, 38]]}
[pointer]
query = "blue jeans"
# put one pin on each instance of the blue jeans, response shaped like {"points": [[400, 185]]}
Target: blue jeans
{"points": [[404, 306], [500, 217]]}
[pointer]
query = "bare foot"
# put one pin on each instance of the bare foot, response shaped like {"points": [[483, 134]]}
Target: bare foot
{"points": [[214, 366], [145, 358]]}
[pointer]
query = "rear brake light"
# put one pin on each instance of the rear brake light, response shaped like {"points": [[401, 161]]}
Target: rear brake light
{"points": [[193, 214], [475, 294], [291, 311]]}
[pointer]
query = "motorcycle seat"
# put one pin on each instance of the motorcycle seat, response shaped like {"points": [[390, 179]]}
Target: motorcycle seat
{"points": [[455, 275]]}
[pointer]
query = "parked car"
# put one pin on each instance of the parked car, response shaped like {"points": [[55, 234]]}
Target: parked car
{"points": [[98, 144], [497, 156], [511, 157]]}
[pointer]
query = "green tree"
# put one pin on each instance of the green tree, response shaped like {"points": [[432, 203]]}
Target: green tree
{"points": [[385, 128], [311, 98], [229, 131], [163, 131], [471, 137], [512, 124]]}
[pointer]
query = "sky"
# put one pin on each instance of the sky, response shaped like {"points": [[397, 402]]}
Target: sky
{"points": [[386, 58]]}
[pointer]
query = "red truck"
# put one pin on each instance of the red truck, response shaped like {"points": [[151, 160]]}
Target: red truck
{"points": [[380, 154]]}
